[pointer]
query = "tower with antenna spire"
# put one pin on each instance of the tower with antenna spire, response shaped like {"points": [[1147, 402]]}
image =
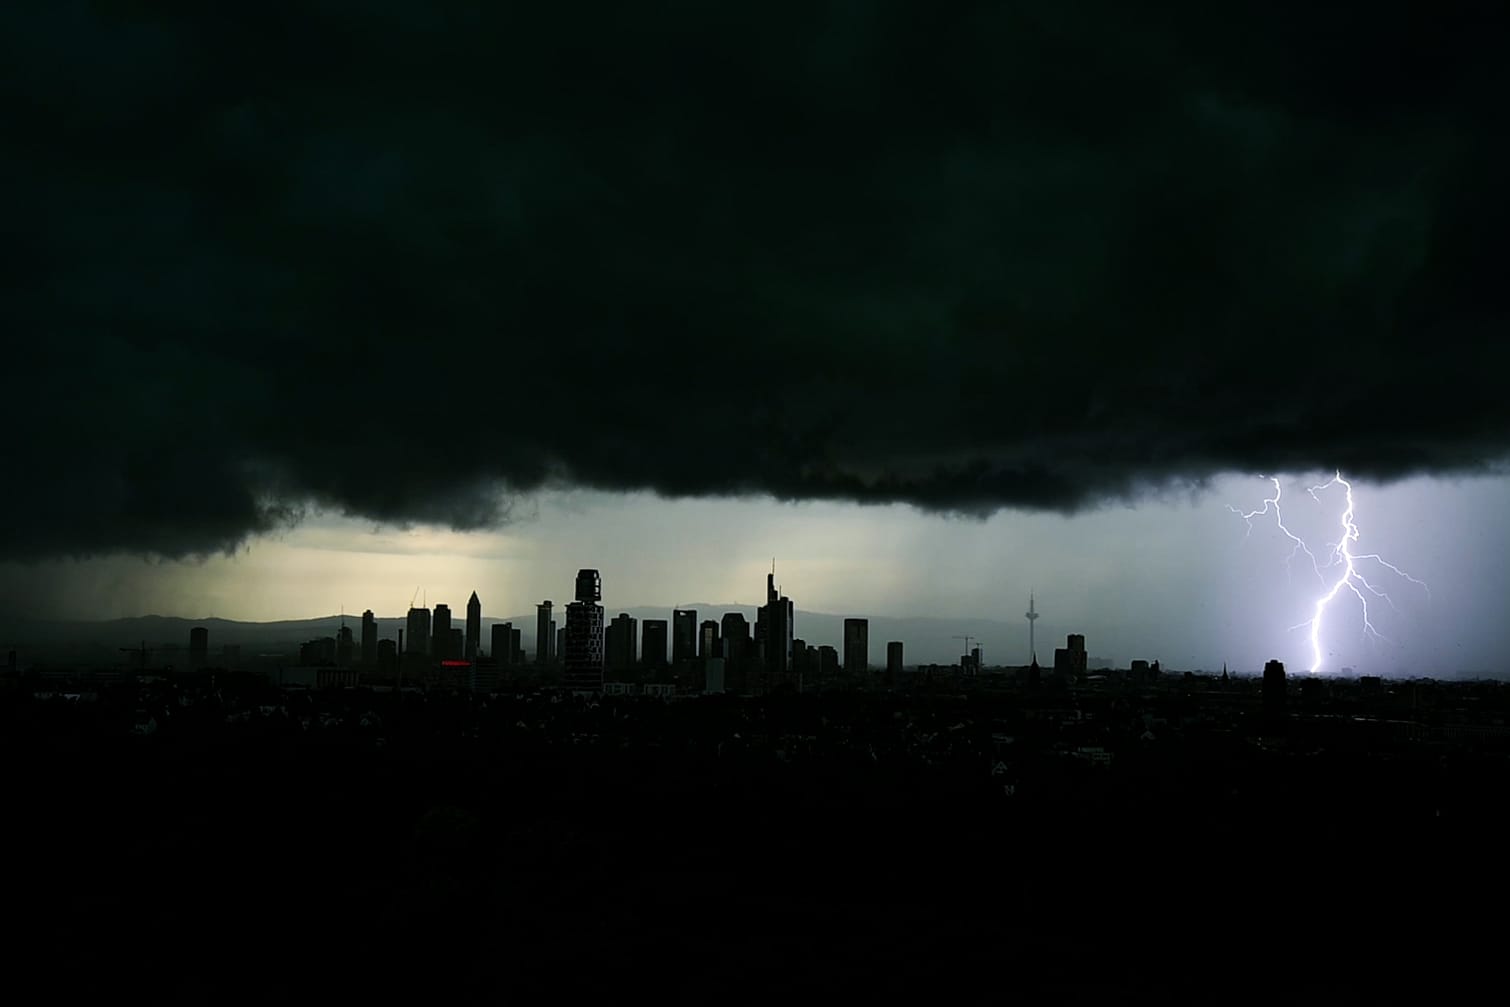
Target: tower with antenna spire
{"points": [[1032, 616]]}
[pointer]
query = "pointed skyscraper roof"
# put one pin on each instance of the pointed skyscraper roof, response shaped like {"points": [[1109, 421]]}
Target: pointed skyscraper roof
{"points": [[473, 600]]}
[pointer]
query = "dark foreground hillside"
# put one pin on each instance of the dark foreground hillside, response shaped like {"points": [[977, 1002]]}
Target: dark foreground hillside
{"points": [[284, 863]]}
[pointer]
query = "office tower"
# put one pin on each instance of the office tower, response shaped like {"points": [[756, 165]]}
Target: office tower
{"points": [[802, 661], [653, 647], [1070, 659], [713, 675], [369, 639], [516, 646], [1274, 688], [455, 641], [345, 646], [503, 643], [773, 635], [544, 636], [387, 659], [199, 647], [559, 648], [683, 635], [893, 662], [582, 657], [828, 663], [707, 640], [473, 641], [417, 627], [856, 647], [440, 633], [622, 642]]}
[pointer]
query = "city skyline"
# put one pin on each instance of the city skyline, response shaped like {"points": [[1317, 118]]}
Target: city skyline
{"points": [[1182, 578]]}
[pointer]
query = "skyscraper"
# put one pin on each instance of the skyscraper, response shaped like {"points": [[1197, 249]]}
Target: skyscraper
{"points": [[543, 633], [417, 628], [582, 660], [893, 662], [345, 645], [503, 643], [1274, 688], [736, 644], [773, 636], [707, 640], [622, 650], [653, 648], [856, 647], [199, 647], [1070, 659], [369, 639], [473, 640], [683, 635], [440, 633]]}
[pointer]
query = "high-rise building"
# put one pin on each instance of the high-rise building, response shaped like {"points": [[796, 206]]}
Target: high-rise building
{"points": [[1274, 688], [828, 663], [683, 635], [473, 641], [773, 636], [516, 646], [708, 644], [653, 647], [387, 659], [582, 651], [621, 644], [802, 662], [345, 646], [417, 628], [503, 644], [1070, 659], [440, 633], [856, 647], [199, 647], [736, 644], [558, 648], [893, 662], [544, 635], [455, 641], [369, 639]]}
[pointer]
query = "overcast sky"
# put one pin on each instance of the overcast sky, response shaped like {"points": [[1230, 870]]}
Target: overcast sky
{"points": [[1178, 579], [277, 272]]}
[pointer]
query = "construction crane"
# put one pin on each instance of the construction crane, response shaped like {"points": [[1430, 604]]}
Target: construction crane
{"points": [[140, 652], [967, 638]]}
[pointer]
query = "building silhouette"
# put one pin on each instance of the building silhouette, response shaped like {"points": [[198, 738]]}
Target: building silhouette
{"points": [[1274, 688], [345, 645], [803, 658], [828, 663], [473, 641], [455, 641], [736, 644], [621, 642], [653, 647], [683, 635], [856, 647], [440, 633], [502, 644], [582, 653], [708, 643], [1070, 660], [773, 636], [893, 662], [369, 639], [417, 626], [199, 647], [387, 659], [544, 633], [558, 634]]}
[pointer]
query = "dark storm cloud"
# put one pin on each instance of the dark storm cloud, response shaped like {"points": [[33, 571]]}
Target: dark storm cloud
{"points": [[395, 259]]}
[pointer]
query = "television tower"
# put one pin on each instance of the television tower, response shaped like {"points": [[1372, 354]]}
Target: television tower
{"points": [[1032, 617]]}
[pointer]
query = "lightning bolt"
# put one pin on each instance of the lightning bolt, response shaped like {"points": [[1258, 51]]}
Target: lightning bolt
{"points": [[1339, 554], [1279, 522]]}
